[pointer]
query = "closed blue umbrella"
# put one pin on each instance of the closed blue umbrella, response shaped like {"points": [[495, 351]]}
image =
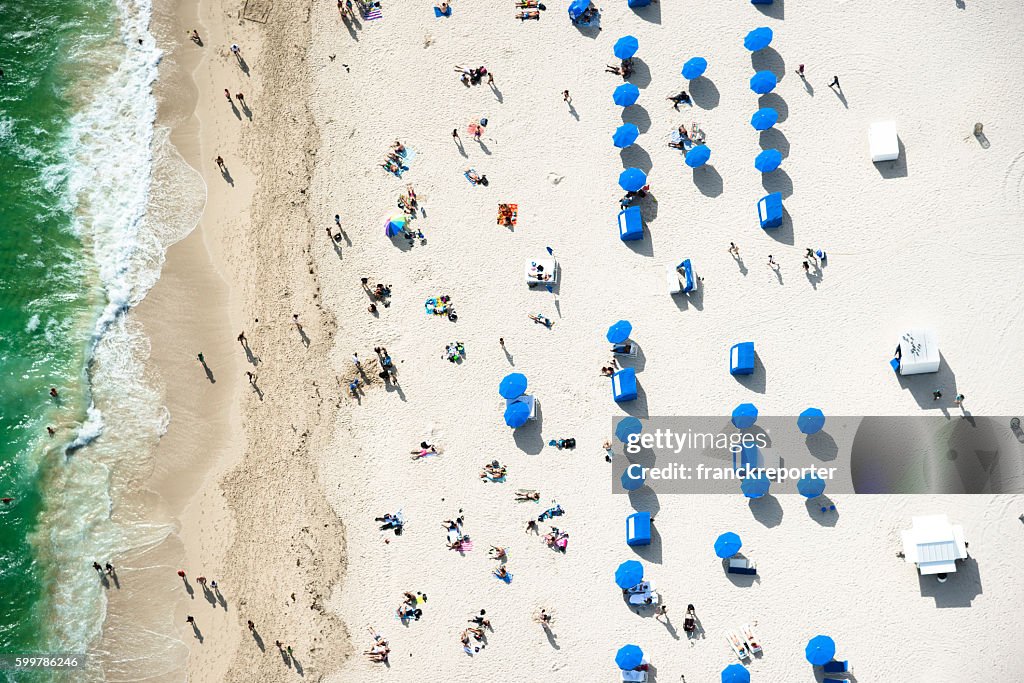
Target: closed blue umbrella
{"points": [[820, 650], [578, 7], [735, 673], [626, 95], [727, 545], [763, 82], [768, 160], [755, 485], [631, 180], [513, 385], [629, 657], [619, 332], [627, 427], [811, 421], [625, 135], [626, 47], [758, 39], [810, 486], [629, 574], [632, 478], [517, 414], [698, 156], [694, 68], [743, 416], [764, 118]]}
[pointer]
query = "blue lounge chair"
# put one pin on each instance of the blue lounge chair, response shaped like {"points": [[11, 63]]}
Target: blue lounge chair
{"points": [[834, 680], [769, 210], [631, 224], [741, 359], [633, 4], [836, 667], [760, 2], [624, 385], [638, 528], [746, 571], [686, 269]]}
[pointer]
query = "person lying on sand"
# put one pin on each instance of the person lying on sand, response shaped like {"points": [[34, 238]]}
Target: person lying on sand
{"points": [[680, 97], [502, 574], [527, 494], [497, 553], [523, 16], [542, 320], [493, 471]]}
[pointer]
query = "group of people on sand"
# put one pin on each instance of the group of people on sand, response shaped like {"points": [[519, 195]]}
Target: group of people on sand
{"points": [[624, 69], [493, 471], [394, 160], [409, 609], [380, 649], [474, 76]]}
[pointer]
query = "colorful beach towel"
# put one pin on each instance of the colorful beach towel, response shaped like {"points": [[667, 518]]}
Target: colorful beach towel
{"points": [[373, 13], [508, 214], [439, 13]]}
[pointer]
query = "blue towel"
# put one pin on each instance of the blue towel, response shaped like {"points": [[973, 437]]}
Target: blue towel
{"points": [[439, 13]]}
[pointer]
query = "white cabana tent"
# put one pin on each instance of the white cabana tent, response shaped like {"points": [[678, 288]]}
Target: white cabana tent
{"points": [[934, 545], [883, 141], [919, 352]]}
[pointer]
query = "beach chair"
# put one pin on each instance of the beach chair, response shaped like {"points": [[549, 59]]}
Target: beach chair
{"points": [[752, 641], [528, 399], [834, 680], [741, 565], [624, 385], [642, 587], [626, 348], [737, 645], [642, 599], [685, 268], [837, 667], [638, 529], [631, 224], [672, 279], [741, 359], [761, 2], [634, 676], [769, 210], [883, 141]]}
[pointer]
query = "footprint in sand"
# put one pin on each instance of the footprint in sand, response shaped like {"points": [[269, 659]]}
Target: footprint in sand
{"points": [[554, 178]]}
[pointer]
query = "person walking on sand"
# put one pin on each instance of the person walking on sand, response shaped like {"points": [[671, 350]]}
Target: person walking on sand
{"points": [[937, 394], [809, 254], [202, 358], [835, 82], [771, 261], [295, 320], [251, 625], [661, 613], [227, 94], [241, 338], [97, 567], [252, 377], [501, 342], [958, 400], [181, 573], [109, 569], [800, 70], [220, 162], [807, 267], [236, 51], [355, 359], [195, 37], [565, 97], [455, 134], [241, 98], [189, 619], [733, 249]]}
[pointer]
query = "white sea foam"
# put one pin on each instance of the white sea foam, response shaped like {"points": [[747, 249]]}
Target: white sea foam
{"points": [[33, 323]]}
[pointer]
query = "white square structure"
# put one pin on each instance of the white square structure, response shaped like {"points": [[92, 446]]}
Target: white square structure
{"points": [[883, 141], [919, 352], [934, 545]]}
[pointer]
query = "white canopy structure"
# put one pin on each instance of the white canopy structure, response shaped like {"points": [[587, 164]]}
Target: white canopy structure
{"points": [[883, 141], [919, 352], [543, 271], [934, 545]]}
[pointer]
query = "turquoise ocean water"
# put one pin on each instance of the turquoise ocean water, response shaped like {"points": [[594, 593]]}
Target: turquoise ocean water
{"points": [[77, 147]]}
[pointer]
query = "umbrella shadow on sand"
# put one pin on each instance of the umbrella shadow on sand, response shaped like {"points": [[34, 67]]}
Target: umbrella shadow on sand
{"points": [[638, 116], [776, 10], [775, 101], [766, 510], [651, 13], [636, 156], [822, 446], [528, 437], [708, 180], [641, 76], [768, 59], [826, 517], [704, 93], [756, 381], [773, 138]]}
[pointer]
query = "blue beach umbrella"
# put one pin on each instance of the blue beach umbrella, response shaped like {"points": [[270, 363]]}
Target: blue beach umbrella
{"points": [[631, 180], [626, 95], [764, 118], [632, 480], [698, 156], [743, 416], [513, 385], [619, 332], [735, 673], [629, 574], [810, 485], [758, 39], [727, 545], [629, 657], [626, 47], [820, 650], [627, 427], [517, 414], [625, 135], [395, 225], [694, 68], [768, 160], [578, 7], [811, 421], [763, 82], [755, 485]]}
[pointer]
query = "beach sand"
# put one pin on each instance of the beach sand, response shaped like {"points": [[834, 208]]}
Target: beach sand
{"points": [[287, 483]]}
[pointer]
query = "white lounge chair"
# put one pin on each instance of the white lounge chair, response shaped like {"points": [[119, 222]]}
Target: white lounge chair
{"points": [[883, 141], [642, 587], [541, 271], [672, 279], [628, 348], [737, 645], [642, 598], [631, 676], [752, 641]]}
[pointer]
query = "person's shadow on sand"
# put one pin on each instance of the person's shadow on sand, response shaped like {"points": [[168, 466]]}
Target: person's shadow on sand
{"points": [[188, 588], [226, 175], [197, 633]]}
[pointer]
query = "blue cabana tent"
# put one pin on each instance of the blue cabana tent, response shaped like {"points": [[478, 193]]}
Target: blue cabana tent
{"points": [[619, 332], [744, 415], [686, 269], [516, 414], [758, 39], [820, 650], [638, 528], [735, 673], [763, 82], [755, 485], [578, 7], [810, 485], [626, 95], [625, 135], [629, 574], [727, 545], [625, 47], [694, 68], [741, 359], [769, 210], [768, 160], [698, 156], [811, 421], [631, 480], [631, 224], [627, 427], [632, 179], [624, 385], [513, 385], [629, 657], [764, 118]]}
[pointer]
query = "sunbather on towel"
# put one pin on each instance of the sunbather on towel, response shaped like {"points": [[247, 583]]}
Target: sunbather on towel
{"points": [[540, 319], [523, 16], [527, 494]]}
